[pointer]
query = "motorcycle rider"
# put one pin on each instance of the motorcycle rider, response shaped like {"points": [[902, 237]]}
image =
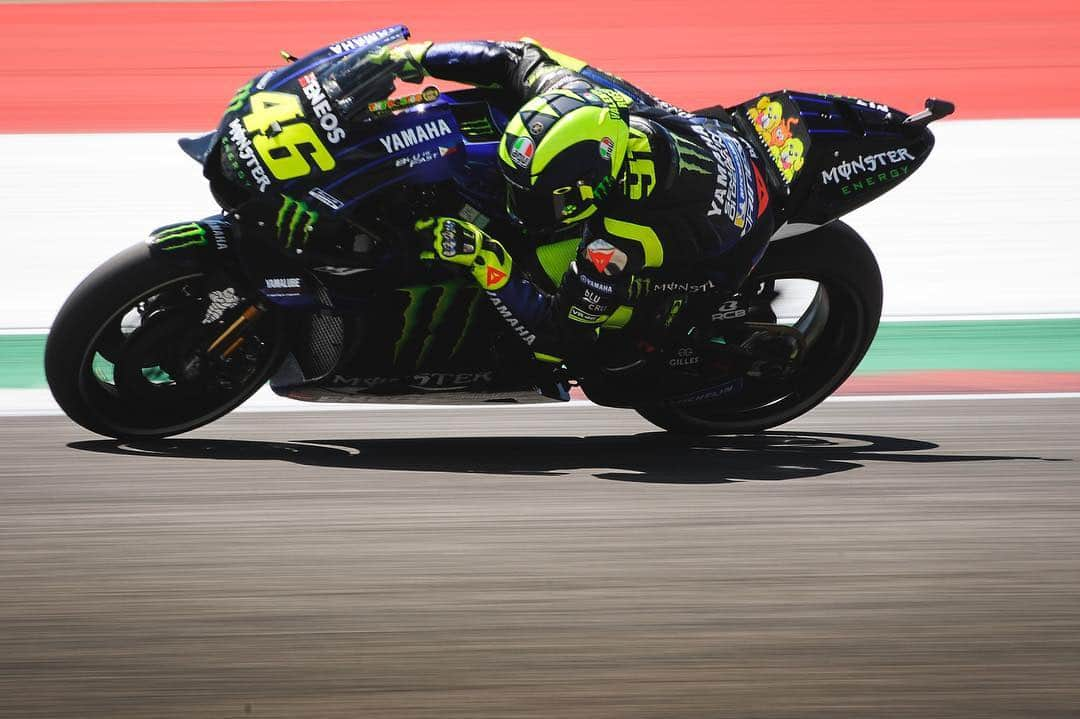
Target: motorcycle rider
{"points": [[654, 190]]}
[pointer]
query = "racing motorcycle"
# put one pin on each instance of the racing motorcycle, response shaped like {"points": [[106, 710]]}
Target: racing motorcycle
{"points": [[179, 330]]}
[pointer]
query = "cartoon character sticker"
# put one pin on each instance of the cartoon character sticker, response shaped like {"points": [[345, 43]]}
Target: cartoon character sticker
{"points": [[766, 116], [776, 121], [790, 157]]}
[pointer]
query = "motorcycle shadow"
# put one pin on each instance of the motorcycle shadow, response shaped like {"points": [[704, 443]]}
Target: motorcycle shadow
{"points": [[656, 457]]}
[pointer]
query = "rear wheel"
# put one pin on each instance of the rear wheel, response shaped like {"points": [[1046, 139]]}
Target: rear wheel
{"points": [[838, 324], [132, 352]]}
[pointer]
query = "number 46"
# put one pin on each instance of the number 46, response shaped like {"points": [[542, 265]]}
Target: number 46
{"points": [[287, 151]]}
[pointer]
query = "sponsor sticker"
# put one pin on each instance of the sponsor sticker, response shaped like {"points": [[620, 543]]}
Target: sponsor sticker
{"points": [[419, 158], [282, 286], [598, 286], [494, 276], [734, 194], [265, 79], [605, 257], [864, 182], [607, 147], [361, 42], [871, 104], [282, 283], [220, 240], [518, 327], [404, 139], [576, 313], [521, 152], [710, 393], [442, 380], [762, 191], [320, 105], [246, 153], [600, 258], [220, 302], [685, 357], [867, 164], [326, 198], [729, 310], [776, 121], [688, 287]]}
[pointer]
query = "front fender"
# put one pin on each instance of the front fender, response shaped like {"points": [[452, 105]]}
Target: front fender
{"points": [[216, 243], [201, 243]]}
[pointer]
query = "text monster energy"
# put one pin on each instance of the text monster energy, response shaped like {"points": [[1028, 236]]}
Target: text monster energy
{"points": [[293, 216], [240, 139], [179, 236], [893, 173], [868, 163]]}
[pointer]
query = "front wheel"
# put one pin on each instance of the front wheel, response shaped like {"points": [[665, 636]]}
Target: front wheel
{"points": [[144, 349], [838, 325]]}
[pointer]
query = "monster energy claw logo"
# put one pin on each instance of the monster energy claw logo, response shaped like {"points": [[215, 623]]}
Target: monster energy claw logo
{"points": [[239, 98], [295, 215], [690, 159], [413, 324], [177, 237], [474, 128]]}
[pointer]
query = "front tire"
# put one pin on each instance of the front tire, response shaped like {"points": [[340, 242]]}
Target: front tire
{"points": [[844, 317], [126, 356]]}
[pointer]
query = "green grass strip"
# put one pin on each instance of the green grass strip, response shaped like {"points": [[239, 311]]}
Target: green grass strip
{"points": [[22, 361], [1011, 345]]}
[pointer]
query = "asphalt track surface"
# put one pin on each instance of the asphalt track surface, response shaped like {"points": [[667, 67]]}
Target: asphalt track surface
{"points": [[872, 559]]}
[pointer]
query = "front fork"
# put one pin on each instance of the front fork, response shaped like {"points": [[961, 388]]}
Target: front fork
{"points": [[212, 245], [232, 337]]}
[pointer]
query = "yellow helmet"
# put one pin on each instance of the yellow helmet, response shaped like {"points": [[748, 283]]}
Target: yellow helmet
{"points": [[562, 153]]}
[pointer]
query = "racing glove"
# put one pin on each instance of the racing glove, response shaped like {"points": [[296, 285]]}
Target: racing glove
{"points": [[465, 244], [407, 59]]}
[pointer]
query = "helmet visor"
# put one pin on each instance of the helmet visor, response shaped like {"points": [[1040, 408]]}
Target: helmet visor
{"points": [[542, 208]]}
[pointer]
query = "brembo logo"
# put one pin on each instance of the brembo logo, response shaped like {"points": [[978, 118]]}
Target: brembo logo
{"points": [[415, 135]]}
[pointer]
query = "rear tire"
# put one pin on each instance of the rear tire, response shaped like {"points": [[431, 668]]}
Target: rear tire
{"points": [[136, 402], [842, 263]]}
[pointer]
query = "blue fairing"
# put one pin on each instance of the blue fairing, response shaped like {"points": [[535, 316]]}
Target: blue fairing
{"points": [[445, 154], [418, 146], [377, 150]]}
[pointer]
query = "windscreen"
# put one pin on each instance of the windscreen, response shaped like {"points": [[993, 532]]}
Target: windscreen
{"points": [[287, 123]]}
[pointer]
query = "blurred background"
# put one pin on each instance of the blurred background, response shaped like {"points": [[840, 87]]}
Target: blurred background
{"points": [[569, 561], [979, 253]]}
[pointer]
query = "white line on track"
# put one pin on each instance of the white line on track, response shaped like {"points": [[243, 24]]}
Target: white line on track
{"points": [[953, 397], [38, 402]]}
